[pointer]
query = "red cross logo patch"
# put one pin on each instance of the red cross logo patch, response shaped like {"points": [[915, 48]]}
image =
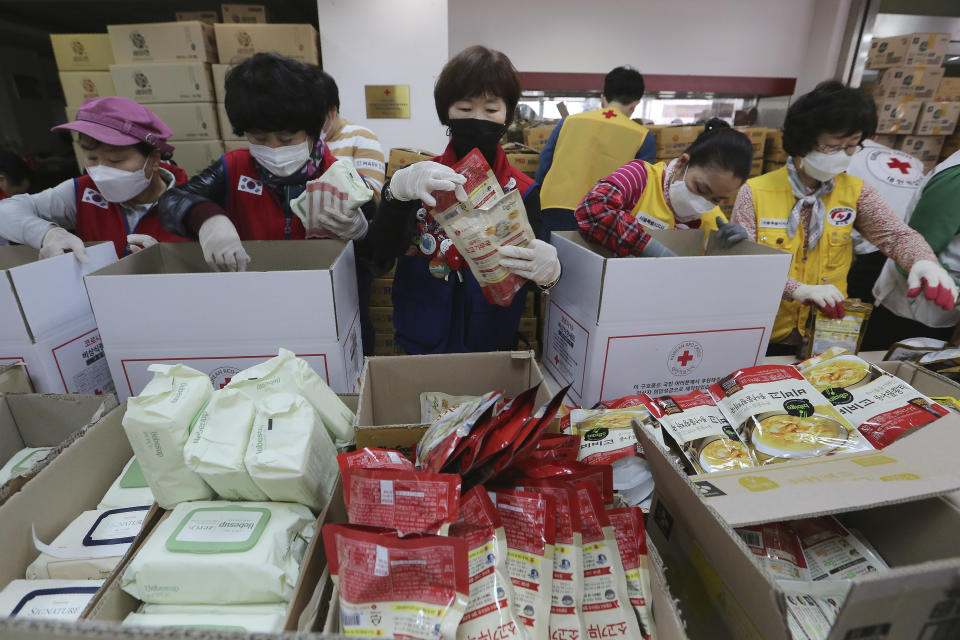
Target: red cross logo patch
{"points": [[685, 357], [903, 167], [609, 113], [386, 92]]}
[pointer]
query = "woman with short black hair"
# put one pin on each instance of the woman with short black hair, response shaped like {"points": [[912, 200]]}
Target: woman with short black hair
{"points": [[280, 106], [16, 175], [809, 207]]}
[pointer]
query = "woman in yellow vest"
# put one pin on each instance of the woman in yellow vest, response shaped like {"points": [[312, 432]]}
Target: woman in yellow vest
{"points": [[620, 209], [809, 207]]}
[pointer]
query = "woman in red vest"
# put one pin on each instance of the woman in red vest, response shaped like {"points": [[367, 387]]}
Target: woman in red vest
{"points": [[123, 144], [279, 105]]}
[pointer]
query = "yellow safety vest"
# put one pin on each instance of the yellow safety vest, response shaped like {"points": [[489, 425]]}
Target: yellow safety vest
{"points": [[591, 146], [652, 210], [826, 263]]}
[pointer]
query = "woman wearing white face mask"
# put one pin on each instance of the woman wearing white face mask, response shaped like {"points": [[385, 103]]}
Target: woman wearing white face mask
{"points": [[809, 207], [280, 105], [122, 144], [620, 210]]}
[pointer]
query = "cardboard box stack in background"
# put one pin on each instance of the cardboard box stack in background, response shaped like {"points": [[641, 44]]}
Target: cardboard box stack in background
{"points": [[926, 149], [774, 155], [758, 137], [949, 90], [400, 158], [536, 137], [672, 141], [243, 13], [522, 157]]}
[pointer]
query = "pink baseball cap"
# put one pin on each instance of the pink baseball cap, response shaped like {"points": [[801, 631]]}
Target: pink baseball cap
{"points": [[119, 121]]}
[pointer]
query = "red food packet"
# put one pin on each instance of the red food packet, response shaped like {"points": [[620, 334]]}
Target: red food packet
{"points": [[495, 433], [622, 403], [406, 501], [778, 548], [372, 458], [398, 587], [631, 537], [482, 186], [601, 475], [556, 446], [533, 431], [436, 447]]}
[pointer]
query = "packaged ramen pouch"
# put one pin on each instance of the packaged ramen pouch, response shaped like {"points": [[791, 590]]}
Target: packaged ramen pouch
{"points": [[407, 501], [398, 587], [438, 444], [778, 548], [832, 552], [631, 537], [781, 416], [606, 435], [701, 432], [433, 404]]}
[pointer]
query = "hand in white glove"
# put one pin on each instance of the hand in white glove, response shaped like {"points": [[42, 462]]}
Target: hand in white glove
{"points": [[221, 245], [730, 233], [937, 284], [328, 204], [421, 179], [825, 296], [58, 241], [139, 242], [537, 261]]}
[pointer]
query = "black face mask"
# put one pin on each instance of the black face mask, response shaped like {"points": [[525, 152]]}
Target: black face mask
{"points": [[468, 134]]}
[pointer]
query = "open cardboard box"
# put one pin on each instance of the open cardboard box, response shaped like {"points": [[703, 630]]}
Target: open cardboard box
{"points": [[888, 501], [14, 378]]}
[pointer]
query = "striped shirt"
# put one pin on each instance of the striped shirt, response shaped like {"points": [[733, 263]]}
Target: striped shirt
{"points": [[348, 140]]}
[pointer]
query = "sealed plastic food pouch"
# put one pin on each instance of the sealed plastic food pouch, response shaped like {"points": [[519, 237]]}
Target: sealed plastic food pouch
{"points": [[130, 489], [340, 182], [398, 587], [62, 600], [606, 435], [218, 443], [481, 187], [600, 475], [701, 432], [290, 456], [489, 611], [22, 461], [533, 431], [372, 458], [289, 374], [233, 621], [832, 552], [949, 402], [555, 446], [505, 430], [90, 547], [836, 369], [157, 423], [778, 548], [433, 404], [222, 552], [529, 522], [439, 442], [407, 501], [825, 333], [781, 416], [813, 607], [631, 537]]}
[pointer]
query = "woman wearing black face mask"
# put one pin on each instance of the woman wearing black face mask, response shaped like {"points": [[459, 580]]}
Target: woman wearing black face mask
{"points": [[438, 305]]}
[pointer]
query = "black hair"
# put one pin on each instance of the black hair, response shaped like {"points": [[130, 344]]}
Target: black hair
{"points": [[15, 167], [269, 92], [333, 92], [477, 71], [831, 107], [623, 85], [721, 146]]}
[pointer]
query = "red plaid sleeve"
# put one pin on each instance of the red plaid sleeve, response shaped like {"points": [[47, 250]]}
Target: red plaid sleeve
{"points": [[603, 219]]}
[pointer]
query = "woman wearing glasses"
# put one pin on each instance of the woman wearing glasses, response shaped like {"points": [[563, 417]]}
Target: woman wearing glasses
{"points": [[809, 207]]}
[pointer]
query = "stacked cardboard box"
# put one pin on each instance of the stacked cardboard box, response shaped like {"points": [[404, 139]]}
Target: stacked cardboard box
{"points": [[951, 144], [949, 90], [673, 141], [522, 157], [774, 155], [758, 137], [401, 157], [536, 137]]}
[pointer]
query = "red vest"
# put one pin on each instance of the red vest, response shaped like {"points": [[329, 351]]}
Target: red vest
{"points": [[99, 220], [253, 209]]}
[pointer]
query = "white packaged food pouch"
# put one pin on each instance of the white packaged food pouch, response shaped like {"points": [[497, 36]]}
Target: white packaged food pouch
{"points": [[290, 455], [813, 607], [631, 537], [22, 461], [130, 489], [218, 443], [90, 547], [340, 182], [832, 552], [433, 404], [606, 435], [234, 621], [529, 522], [61, 600], [221, 552], [157, 423], [289, 374]]}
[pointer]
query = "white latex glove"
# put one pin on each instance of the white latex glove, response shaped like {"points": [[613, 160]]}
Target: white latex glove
{"points": [[58, 241], [825, 296], [937, 285], [221, 245], [537, 261], [329, 207], [139, 242], [421, 179]]}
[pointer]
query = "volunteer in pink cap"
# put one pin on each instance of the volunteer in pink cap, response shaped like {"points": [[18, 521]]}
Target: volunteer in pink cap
{"points": [[123, 144]]}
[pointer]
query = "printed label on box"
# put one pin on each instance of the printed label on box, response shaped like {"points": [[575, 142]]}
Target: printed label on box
{"points": [[353, 355], [565, 352], [82, 365]]}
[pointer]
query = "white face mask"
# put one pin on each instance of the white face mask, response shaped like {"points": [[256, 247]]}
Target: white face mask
{"points": [[281, 161], [686, 204], [825, 166], [117, 185]]}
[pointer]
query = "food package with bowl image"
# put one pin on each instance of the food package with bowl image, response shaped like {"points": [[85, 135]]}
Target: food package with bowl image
{"points": [[700, 431], [606, 435], [881, 406], [781, 416]]}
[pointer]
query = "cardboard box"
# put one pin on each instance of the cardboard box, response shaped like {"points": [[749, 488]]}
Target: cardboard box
{"points": [[82, 51], [950, 146], [400, 158], [186, 313], [385, 345], [949, 90], [773, 144], [937, 118], [536, 137], [14, 379], [887, 140], [189, 120], [929, 165], [82, 85], [756, 167], [897, 116], [908, 82], [523, 158], [226, 129], [616, 326], [388, 414], [238, 41], [243, 13], [193, 156], [46, 322], [219, 72], [908, 50], [673, 141], [758, 137], [163, 82], [382, 319], [162, 42], [924, 148], [233, 145], [210, 17], [380, 292]]}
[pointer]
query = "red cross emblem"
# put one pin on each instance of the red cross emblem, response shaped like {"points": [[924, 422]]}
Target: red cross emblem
{"points": [[685, 359], [226, 381], [899, 164], [97, 392], [610, 113], [386, 92], [556, 359]]}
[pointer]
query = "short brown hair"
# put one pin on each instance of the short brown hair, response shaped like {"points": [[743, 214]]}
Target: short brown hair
{"points": [[477, 71]]}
